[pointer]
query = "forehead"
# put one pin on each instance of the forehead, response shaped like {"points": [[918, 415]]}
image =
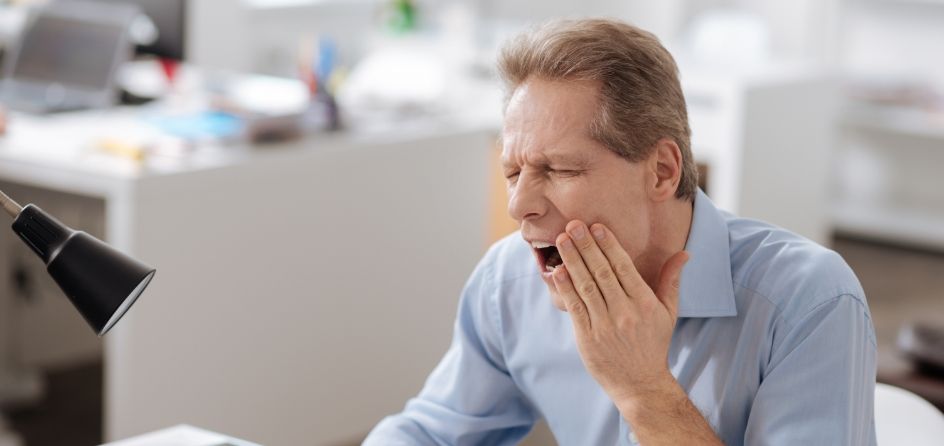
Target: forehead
{"points": [[550, 121]]}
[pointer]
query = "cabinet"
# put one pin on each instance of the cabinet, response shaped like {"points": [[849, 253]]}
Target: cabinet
{"points": [[289, 277], [767, 140], [889, 187]]}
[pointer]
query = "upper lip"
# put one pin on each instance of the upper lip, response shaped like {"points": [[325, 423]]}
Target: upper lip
{"points": [[549, 240]]}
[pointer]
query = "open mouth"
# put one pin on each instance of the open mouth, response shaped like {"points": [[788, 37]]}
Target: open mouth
{"points": [[549, 256]]}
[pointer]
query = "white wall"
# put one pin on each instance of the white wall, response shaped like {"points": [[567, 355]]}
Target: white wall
{"points": [[799, 29], [662, 18], [862, 35], [216, 37], [895, 38], [229, 34]]}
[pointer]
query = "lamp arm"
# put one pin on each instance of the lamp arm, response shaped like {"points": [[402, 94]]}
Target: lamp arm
{"points": [[13, 208]]}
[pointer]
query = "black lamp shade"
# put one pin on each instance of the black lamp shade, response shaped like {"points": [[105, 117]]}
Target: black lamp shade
{"points": [[100, 281]]}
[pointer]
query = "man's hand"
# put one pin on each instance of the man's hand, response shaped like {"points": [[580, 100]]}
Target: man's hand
{"points": [[623, 327], [623, 330]]}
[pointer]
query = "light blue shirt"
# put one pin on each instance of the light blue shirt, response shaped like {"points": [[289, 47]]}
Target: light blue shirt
{"points": [[774, 344]]}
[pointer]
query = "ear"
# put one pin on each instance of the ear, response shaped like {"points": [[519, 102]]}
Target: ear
{"points": [[665, 169]]}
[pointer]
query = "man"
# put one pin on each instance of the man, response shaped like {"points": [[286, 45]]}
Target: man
{"points": [[651, 316]]}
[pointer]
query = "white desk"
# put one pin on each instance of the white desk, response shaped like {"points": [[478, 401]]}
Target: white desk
{"points": [[181, 435], [304, 290]]}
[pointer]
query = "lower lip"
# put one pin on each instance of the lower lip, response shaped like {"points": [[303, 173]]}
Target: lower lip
{"points": [[545, 274]]}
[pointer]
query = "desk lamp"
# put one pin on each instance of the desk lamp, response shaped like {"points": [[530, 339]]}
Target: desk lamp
{"points": [[100, 281]]}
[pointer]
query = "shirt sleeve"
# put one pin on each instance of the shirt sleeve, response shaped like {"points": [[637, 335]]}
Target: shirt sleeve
{"points": [[469, 398], [820, 382]]}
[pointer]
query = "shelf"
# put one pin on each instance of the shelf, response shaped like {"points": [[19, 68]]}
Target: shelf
{"points": [[919, 227], [904, 121]]}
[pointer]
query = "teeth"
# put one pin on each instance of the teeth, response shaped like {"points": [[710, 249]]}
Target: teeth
{"points": [[550, 269], [539, 245]]}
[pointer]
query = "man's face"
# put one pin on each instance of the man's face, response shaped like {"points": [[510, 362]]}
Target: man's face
{"points": [[557, 173]]}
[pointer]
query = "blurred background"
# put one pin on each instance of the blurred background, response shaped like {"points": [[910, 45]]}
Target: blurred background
{"points": [[315, 179]]}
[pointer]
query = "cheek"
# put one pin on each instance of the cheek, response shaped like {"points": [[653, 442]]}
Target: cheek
{"points": [[633, 234], [629, 223], [575, 200]]}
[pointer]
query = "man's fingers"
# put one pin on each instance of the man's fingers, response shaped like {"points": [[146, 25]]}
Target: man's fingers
{"points": [[670, 280], [629, 278], [597, 263], [580, 276], [575, 306]]}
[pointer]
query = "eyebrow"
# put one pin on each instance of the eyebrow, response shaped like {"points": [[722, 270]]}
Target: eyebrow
{"points": [[578, 160]]}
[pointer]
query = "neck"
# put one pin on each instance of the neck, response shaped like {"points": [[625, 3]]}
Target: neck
{"points": [[671, 224]]}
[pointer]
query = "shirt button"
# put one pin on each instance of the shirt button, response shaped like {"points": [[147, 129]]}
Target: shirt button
{"points": [[632, 438]]}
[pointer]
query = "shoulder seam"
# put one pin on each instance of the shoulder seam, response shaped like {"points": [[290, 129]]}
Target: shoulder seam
{"points": [[862, 307], [790, 325], [770, 301]]}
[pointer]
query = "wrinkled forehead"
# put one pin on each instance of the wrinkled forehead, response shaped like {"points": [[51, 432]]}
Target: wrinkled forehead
{"points": [[553, 103], [549, 121], [576, 156]]}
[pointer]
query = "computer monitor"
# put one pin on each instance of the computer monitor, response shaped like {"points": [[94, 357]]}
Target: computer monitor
{"points": [[169, 17], [69, 51], [67, 57]]}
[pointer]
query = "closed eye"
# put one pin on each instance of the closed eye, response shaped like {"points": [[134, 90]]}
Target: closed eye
{"points": [[564, 173], [512, 176]]}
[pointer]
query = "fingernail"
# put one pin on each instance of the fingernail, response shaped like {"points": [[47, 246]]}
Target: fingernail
{"points": [[566, 244], [561, 273], [578, 232], [598, 232]]}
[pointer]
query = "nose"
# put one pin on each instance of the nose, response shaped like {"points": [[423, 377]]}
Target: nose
{"points": [[526, 199]]}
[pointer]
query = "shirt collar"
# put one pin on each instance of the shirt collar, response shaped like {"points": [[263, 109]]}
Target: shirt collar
{"points": [[706, 288]]}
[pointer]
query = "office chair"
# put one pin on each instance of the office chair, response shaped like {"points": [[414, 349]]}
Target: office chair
{"points": [[902, 417]]}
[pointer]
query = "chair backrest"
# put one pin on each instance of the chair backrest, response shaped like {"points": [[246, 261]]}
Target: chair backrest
{"points": [[903, 418]]}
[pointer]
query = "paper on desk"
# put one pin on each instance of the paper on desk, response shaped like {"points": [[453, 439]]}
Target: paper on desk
{"points": [[182, 435]]}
